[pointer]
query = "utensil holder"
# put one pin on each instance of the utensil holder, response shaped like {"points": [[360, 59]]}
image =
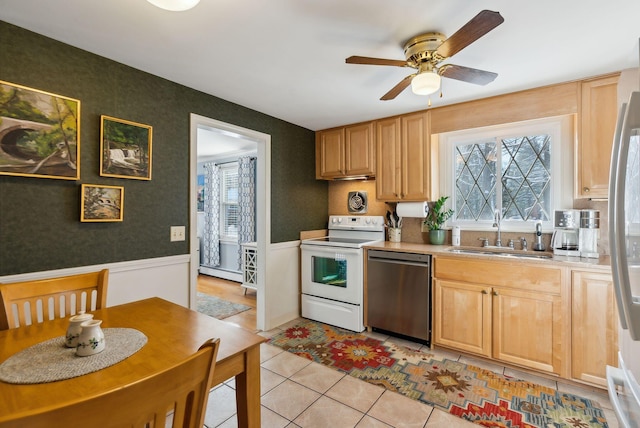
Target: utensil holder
{"points": [[395, 234]]}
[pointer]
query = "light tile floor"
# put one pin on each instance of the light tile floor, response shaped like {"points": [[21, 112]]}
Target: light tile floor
{"points": [[300, 393]]}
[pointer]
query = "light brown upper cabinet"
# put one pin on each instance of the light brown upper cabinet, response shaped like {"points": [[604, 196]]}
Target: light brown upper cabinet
{"points": [[403, 161], [598, 113], [347, 151]]}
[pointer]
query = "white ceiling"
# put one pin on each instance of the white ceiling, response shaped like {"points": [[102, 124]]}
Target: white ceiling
{"points": [[286, 58], [214, 144]]}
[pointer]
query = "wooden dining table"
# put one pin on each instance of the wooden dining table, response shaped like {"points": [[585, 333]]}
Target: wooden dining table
{"points": [[173, 332]]}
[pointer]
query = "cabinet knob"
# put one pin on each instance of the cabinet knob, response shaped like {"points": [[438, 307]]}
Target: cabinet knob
{"points": [[485, 292], [495, 293], [586, 189]]}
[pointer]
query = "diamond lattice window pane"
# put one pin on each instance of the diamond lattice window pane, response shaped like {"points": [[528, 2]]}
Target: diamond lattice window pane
{"points": [[524, 168], [475, 180]]}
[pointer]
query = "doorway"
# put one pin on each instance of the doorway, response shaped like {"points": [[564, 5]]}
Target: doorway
{"points": [[242, 136], [229, 292]]}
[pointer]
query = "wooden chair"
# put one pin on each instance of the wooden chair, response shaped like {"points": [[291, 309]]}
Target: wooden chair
{"points": [[30, 302], [179, 393]]}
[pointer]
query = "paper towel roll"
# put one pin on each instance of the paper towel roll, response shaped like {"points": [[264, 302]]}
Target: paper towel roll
{"points": [[412, 209]]}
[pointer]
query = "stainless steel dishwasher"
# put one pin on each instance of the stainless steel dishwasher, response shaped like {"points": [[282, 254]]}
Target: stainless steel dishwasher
{"points": [[399, 293]]}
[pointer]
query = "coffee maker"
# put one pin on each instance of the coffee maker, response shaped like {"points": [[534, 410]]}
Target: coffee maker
{"points": [[565, 239], [589, 233]]}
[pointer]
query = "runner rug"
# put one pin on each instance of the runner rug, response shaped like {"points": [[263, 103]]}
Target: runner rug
{"points": [[477, 395], [218, 308]]}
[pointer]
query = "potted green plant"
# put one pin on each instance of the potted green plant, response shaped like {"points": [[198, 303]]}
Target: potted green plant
{"points": [[434, 220]]}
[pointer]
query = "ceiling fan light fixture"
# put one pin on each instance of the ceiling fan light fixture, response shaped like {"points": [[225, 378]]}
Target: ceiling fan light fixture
{"points": [[174, 5], [425, 83]]}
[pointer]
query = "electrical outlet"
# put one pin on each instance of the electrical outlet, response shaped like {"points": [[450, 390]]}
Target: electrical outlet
{"points": [[177, 233]]}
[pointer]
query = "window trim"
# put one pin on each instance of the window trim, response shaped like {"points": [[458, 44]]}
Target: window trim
{"points": [[561, 128]]}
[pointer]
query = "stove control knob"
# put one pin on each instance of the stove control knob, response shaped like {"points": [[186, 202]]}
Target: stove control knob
{"points": [[367, 220], [339, 219]]}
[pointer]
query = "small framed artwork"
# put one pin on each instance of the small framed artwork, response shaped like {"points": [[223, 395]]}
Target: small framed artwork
{"points": [[125, 149], [101, 203], [39, 133]]}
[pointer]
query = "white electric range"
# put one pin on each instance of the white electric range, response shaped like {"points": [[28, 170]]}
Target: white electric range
{"points": [[333, 271]]}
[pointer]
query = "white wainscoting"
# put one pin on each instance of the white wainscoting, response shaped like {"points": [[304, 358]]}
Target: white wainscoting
{"points": [[168, 278], [165, 277], [282, 304]]}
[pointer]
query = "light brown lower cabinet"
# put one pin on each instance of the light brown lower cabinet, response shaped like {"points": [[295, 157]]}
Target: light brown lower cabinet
{"points": [[594, 326], [462, 316], [527, 328], [514, 313]]}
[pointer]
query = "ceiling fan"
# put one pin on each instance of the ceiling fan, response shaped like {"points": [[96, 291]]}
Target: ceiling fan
{"points": [[426, 51]]}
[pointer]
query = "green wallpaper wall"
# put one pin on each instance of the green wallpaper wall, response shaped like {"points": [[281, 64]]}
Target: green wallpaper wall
{"points": [[40, 226]]}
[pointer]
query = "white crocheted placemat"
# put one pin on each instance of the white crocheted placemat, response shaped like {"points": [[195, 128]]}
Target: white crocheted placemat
{"points": [[51, 360]]}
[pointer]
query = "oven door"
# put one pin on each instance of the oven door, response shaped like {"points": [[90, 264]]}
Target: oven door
{"points": [[333, 272]]}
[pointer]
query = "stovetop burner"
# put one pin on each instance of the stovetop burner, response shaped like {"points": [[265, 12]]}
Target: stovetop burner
{"points": [[351, 232]]}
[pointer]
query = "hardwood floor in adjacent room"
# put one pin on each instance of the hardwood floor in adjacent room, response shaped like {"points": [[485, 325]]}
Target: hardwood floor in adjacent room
{"points": [[232, 292]]}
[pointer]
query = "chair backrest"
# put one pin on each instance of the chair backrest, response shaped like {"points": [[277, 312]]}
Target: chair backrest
{"points": [[179, 393], [30, 302]]}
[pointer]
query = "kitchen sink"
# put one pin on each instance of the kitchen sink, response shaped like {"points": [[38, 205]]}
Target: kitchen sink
{"points": [[501, 253]]}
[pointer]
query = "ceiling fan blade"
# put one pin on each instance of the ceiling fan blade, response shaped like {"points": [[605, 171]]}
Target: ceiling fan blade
{"points": [[375, 61], [466, 74], [395, 91], [479, 25]]}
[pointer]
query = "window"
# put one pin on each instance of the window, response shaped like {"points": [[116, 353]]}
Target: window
{"points": [[522, 170], [229, 202]]}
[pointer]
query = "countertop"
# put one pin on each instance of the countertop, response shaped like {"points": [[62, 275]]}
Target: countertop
{"points": [[603, 263]]}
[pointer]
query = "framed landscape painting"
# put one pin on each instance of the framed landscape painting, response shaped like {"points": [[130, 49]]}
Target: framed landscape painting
{"points": [[101, 203], [39, 133], [125, 149]]}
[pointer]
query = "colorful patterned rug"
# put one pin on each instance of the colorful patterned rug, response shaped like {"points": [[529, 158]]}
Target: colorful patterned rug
{"points": [[477, 395], [218, 308]]}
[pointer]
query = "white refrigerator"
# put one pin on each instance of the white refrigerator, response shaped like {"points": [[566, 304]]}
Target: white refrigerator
{"points": [[624, 236]]}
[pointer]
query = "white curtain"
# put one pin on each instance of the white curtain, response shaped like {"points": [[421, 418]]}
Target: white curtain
{"points": [[246, 203], [211, 233]]}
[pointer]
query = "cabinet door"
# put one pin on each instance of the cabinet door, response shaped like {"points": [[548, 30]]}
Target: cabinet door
{"points": [[388, 160], [527, 328], [416, 171], [462, 316], [359, 149], [598, 113], [330, 154], [594, 327]]}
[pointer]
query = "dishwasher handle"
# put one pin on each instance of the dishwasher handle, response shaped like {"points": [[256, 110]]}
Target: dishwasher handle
{"points": [[399, 257]]}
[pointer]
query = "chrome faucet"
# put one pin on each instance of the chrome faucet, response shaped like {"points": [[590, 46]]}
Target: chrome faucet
{"points": [[497, 218], [538, 246]]}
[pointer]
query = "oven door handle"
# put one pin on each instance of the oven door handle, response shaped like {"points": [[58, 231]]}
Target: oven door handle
{"points": [[324, 249]]}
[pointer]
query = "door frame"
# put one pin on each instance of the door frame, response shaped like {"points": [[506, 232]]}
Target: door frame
{"points": [[263, 206]]}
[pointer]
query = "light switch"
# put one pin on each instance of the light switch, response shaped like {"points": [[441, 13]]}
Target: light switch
{"points": [[177, 233]]}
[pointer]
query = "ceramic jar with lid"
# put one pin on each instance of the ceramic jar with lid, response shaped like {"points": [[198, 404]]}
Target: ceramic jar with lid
{"points": [[74, 329], [91, 340]]}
